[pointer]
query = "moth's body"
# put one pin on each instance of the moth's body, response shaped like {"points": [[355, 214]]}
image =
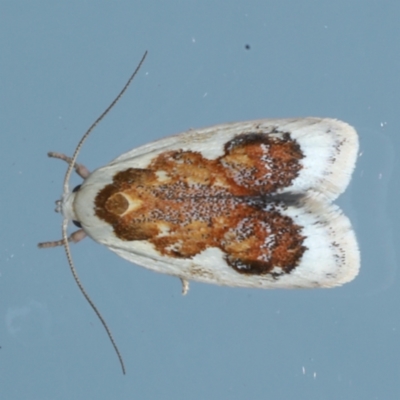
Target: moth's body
{"points": [[242, 204]]}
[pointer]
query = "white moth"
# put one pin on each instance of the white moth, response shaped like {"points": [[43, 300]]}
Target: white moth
{"points": [[244, 204]]}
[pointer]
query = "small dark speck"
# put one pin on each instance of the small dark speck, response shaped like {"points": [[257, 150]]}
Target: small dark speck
{"points": [[247, 47]]}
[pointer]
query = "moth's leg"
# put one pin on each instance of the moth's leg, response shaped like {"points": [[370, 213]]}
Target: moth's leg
{"points": [[185, 286], [80, 169], [75, 237]]}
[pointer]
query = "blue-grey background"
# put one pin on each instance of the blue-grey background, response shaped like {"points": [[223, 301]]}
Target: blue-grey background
{"points": [[61, 65]]}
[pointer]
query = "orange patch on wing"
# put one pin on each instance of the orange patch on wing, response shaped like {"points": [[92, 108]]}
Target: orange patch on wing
{"points": [[184, 203]]}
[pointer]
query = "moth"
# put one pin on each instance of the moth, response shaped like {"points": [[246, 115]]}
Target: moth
{"points": [[244, 204]]}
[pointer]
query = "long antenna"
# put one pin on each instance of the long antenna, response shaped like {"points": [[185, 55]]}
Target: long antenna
{"points": [[65, 240]]}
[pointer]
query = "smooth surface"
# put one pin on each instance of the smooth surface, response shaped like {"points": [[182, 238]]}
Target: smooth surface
{"points": [[61, 65]]}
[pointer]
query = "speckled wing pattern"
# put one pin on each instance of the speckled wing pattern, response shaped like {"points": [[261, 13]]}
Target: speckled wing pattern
{"points": [[243, 204]]}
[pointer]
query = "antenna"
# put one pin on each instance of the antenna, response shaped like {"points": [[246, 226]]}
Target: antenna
{"points": [[80, 234]]}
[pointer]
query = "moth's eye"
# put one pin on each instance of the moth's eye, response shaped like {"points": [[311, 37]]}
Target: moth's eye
{"points": [[77, 223], [76, 188]]}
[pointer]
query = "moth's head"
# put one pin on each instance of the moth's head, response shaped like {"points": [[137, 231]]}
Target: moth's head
{"points": [[66, 206]]}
